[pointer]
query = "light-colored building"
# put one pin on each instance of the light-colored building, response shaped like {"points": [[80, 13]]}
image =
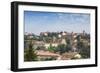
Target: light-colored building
{"points": [[37, 44], [64, 33], [63, 41], [78, 56], [59, 35], [48, 44], [55, 44]]}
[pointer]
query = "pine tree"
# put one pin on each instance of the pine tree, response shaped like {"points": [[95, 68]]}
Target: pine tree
{"points": [[30, 54]]}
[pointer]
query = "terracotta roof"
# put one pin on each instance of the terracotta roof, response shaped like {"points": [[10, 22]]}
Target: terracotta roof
{"points": [[46, 53], [68, 55]]}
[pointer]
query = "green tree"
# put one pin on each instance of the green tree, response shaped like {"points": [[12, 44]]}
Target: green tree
{"points": [[68, 46], [61, 48], [84, 50], [85, 53], [30, 54], [51, 48]]}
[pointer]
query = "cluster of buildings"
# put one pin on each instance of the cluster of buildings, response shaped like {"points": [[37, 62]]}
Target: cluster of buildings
{"points": [[57, 39], [60, 38]]}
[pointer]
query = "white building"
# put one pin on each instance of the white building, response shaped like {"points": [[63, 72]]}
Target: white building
{"points": [[63, 42], [53, 44]]}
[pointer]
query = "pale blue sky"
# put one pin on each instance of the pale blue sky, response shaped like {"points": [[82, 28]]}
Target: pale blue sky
{"points": [[37, 22]]}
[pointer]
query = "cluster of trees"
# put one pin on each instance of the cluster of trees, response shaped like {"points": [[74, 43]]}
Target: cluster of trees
{"points": [[84, 48], [61, 48]]}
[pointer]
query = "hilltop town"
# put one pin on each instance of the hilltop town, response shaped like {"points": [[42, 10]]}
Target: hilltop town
{"points": [[56, 46]]}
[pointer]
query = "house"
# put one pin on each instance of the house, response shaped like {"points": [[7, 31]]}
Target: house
{"points": [[56, 43], [53, 44], [63, 41], [44, 34], [43, 55], [78, 56], [59, 35], [68, 55], [37, 44]]}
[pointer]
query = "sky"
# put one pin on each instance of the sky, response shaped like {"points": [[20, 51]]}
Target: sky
{"points": [[36, 22]]}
